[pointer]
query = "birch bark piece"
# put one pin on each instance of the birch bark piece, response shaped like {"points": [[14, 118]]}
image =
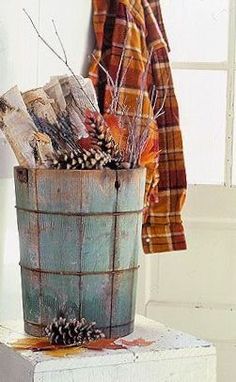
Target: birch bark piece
{"points": [[80, 96], [14, 98], [82, 90], [59, 89], [38, 102], [54, 91], [85, 92], [44, 149], [73, 107], [19, 130]]}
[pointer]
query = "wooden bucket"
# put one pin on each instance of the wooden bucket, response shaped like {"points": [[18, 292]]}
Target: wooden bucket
{"points": [[80, 238]]}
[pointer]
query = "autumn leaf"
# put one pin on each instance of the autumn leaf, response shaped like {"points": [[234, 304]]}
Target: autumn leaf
{"points": [[31, 343], [104, 343], [35, 344], [137, 342], [119, 134], [150, 151], [64, 351], [43, 345]]}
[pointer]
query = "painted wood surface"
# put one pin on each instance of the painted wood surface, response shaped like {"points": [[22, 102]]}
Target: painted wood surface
{"points": [[80, 239], [174, 357]]}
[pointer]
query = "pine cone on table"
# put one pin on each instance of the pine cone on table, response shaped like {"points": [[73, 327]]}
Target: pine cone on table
{"points": [[72, 332]]}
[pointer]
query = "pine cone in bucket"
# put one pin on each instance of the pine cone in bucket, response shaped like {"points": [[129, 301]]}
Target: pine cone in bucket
{"points": [[98, 130], [72, 332], [81, 159]]}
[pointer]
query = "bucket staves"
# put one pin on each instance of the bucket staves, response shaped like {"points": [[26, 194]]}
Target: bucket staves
{"points": [[80, 238]]}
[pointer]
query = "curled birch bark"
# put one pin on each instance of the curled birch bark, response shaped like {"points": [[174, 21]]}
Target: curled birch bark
{"points": [[44, 151], [19, 130], [40, 104], [54, 91], [14, 98], [85, 88]]}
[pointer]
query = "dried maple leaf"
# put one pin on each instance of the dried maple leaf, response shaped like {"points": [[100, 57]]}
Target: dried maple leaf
{"points": [[104, 343], [137, 342]]}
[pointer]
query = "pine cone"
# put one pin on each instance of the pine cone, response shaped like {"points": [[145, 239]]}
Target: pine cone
{"points": [[98, 130], [81, 159], [72, 332]]}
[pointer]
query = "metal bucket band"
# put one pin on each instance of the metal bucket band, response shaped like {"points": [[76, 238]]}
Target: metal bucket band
{"points": [[79, 213], [68, 273]]}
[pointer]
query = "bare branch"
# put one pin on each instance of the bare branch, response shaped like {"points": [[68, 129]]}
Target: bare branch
{"points": [[58, 56], [41, 37], [111, 87], [160, 110], [60, 40], [104, 70], [116, 103], [121, 59]]}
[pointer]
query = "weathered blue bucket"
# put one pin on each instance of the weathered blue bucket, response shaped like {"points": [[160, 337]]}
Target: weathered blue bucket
{"points": [[80, 238]]}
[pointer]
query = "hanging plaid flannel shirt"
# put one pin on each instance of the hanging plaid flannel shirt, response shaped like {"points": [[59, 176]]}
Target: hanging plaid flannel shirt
{"points": [[138, 25]]}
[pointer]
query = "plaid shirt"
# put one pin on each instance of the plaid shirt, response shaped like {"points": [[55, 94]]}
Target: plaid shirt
{"points": [[162, 229]]}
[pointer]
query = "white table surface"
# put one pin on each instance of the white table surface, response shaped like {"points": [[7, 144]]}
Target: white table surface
{"points": [[174, 357]]}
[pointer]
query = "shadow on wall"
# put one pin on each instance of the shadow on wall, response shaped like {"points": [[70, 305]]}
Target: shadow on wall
{"points": [[2, 224], [10, 292], [90, 44], [9, 251], [4, 64]]}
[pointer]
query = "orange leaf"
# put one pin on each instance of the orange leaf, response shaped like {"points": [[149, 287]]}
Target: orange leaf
{"points": [[150, 152], [43, 345], [61, 352], [104, 343], [31, 343], [118, 133], [137, 342]]}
